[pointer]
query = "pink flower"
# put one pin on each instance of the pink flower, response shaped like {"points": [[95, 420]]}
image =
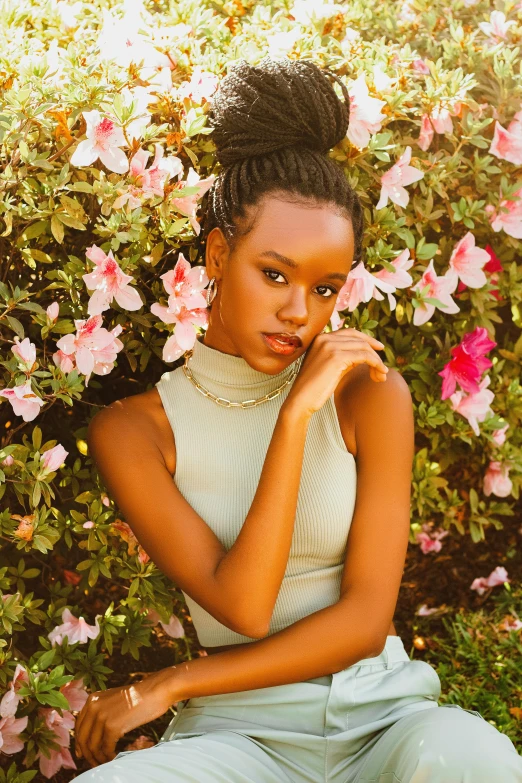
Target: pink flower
{"points": [[186, 306], [496, 479], [88, 525], [124, 531], [64, 362], [509, 216], [187, 205], [140, 97], [467, 262], [60, 725], [361, 285], [507, 144], [10, 699], [510, 624], [468, 363], [441, 119], [109, 282], [140, 743], [420, 66], [10, 729], [173, 628], [200, 87], [423, 610], [426, 133], [497, 577], [430, 542], [53, 458], [438, 287], [365, 113], [381, 79], [394, 180], [499, 436], [149, 182], [53, 311], [474, 407], [75, 694], [58, 759], [492, 266], [94, 348], [25, 352], [104, 139], [24, 401], [8, 461], [75, 629], [497, 26], [184, 284]]}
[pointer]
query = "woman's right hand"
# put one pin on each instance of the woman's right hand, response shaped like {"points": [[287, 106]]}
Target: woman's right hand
{"points": [[329, 357]]}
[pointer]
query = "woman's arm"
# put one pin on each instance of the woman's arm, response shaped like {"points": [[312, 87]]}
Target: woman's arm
{"points": [[239, 587], [357, 625]]}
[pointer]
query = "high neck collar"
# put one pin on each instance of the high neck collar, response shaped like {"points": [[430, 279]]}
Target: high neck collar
{"points": [[213, 368]]}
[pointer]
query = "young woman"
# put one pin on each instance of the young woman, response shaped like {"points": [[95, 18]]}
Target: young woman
{"points": [[269, 478]]}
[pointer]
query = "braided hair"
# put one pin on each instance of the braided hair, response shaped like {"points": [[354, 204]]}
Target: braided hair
{"points": [[273, 125]]}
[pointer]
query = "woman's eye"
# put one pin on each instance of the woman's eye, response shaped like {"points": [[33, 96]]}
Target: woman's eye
{"points": [[333, 291]]}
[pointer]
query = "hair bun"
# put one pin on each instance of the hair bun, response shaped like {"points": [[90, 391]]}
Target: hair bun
{"points": [[279, 103]]}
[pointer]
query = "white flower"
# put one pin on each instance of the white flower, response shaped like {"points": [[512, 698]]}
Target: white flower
{"points": [[104, 139]]}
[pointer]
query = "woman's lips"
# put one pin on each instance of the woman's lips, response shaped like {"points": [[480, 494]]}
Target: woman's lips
{"points": [[282, 348]]}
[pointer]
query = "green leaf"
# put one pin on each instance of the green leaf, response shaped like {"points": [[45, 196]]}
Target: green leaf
{"points": [[46, 659], [57, 229], [53, 699], [81, 187], [69, 221]]}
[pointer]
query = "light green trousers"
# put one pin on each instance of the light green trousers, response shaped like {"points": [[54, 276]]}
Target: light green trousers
{"points": [[377, 721]]}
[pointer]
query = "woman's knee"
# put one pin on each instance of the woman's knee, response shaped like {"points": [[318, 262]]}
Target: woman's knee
{"points": [[464, 748]]}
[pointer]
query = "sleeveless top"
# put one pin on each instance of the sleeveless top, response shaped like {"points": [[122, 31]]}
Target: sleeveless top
{"points": [[220, 454]]}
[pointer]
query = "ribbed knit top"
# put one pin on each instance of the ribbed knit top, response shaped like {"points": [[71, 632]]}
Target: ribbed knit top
{"points": [[220, 454]]}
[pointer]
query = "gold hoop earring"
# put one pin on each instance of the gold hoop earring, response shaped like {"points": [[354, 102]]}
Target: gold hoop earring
{"points": [[211, 291]]}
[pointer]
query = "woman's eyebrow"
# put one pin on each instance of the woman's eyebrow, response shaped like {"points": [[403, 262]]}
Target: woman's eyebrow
{"points": [[290, 262]]}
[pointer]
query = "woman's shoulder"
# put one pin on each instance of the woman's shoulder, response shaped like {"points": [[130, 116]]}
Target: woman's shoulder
{"points": [[357, 395], [141, 416]]}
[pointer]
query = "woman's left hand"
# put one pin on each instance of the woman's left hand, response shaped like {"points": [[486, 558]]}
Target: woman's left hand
{"points": [[108, 715]]}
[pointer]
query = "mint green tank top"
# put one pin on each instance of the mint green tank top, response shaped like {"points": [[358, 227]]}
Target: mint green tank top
{"points": [[220, 454]]}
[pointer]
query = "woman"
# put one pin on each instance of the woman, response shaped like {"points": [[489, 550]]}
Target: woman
{"points": [[286, 524]]}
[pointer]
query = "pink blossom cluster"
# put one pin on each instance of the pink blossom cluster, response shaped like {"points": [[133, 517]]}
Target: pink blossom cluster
{"points": [[60, 725], [186, 306]]}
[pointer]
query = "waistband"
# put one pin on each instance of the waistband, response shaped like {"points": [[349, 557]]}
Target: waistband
{"points": [[393, 652]]}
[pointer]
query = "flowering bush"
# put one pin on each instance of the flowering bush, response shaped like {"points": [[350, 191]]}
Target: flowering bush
{"points": [[106, 157]]}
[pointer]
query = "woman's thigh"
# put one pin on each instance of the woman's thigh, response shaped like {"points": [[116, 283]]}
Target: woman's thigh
{"points": [[215, 757], [443, 745]]}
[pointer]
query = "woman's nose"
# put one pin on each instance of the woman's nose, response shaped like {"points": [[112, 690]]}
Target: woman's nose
{"points": [[295, 308]]}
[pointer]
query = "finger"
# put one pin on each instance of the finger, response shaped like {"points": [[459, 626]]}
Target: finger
{"points": [[367, 356], [355, 333], [85, 740], [77, 730], [108, 746], [96, 740]]}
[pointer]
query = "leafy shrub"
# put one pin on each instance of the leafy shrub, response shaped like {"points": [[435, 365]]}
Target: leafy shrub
{"points": [[106, 160]]}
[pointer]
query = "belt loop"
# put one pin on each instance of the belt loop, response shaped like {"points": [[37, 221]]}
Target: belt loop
{"points": [[387, 664]]}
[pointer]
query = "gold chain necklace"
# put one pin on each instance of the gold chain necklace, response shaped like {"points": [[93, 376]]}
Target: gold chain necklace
{"points": [[247, 403]]}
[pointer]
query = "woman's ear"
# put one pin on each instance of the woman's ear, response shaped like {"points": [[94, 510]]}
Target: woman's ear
{"points": [[216, 253]]}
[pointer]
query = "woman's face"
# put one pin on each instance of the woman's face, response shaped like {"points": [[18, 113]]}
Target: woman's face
{"points": [[260, 291]]}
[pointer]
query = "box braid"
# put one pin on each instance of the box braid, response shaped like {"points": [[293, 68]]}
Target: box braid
{"points": [[273, 125]]}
